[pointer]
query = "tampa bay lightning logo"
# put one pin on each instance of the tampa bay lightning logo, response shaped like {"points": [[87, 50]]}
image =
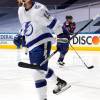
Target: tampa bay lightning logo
{"points": [[28, 28]]}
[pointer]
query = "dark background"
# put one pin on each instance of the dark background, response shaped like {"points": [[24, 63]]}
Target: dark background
{"points": [[58, 3]]}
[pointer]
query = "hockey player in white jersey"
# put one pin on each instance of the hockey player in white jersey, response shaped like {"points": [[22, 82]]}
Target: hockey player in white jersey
{"points": [[37, 26]]}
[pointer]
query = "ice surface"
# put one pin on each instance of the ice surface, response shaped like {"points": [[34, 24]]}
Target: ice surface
{"points": [[18, 84]]}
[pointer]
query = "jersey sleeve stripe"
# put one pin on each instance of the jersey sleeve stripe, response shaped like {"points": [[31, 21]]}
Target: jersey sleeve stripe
{"points": [[41, 37], [52, 24]]}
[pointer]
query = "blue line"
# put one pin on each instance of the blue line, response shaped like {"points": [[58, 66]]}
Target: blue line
{"points": [[8, 33], [90, 33]]}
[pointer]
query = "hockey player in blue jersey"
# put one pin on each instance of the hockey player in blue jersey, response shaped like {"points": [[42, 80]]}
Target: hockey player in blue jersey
{"points": [[37, 26], [62, 46]]}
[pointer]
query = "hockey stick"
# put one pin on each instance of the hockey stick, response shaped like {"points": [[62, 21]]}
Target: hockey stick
{"points": [[31, 66], [89, 67]]}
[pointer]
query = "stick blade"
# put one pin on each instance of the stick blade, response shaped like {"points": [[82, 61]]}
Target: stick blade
{"points": [[90, 67], [26, 65]]}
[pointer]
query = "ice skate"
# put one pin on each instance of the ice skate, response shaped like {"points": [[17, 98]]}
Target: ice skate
{"points": [[61, 86]]}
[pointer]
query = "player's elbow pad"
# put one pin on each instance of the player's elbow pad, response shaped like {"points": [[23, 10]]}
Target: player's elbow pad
{"points": [[52, 24], [65, 31], [55, 26]]}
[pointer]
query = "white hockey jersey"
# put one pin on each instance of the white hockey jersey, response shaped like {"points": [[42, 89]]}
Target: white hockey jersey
{"points": [[38, 25]]}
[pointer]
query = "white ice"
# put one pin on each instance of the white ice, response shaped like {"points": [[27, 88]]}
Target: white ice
{"points": [[18, 84]]}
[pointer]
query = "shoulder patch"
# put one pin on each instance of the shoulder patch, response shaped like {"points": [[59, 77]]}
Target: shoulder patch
{"points": [[37, 6]]}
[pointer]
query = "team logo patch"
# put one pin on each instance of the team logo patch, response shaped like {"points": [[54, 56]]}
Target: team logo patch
{"points": [[28, 29]]}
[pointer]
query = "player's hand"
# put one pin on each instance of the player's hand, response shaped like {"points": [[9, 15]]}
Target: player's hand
{"points": [[18, 40], [19, 2]]}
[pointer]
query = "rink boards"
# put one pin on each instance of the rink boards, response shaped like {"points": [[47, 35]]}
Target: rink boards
{"points": [[83, 41]]}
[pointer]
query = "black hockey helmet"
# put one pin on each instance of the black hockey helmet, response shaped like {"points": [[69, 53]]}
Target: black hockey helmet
{"points": [[69, 17]]}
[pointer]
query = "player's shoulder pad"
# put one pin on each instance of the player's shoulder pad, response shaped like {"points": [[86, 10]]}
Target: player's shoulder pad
{"points": [[20, 9], [38, 5], [74, 23]]}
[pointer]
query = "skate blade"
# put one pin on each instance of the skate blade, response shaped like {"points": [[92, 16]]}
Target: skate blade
{"points": [[64, 89]]}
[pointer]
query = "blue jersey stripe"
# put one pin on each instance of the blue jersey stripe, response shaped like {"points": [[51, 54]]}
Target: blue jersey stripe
{"points": [[41, 37], [52, 24]]}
